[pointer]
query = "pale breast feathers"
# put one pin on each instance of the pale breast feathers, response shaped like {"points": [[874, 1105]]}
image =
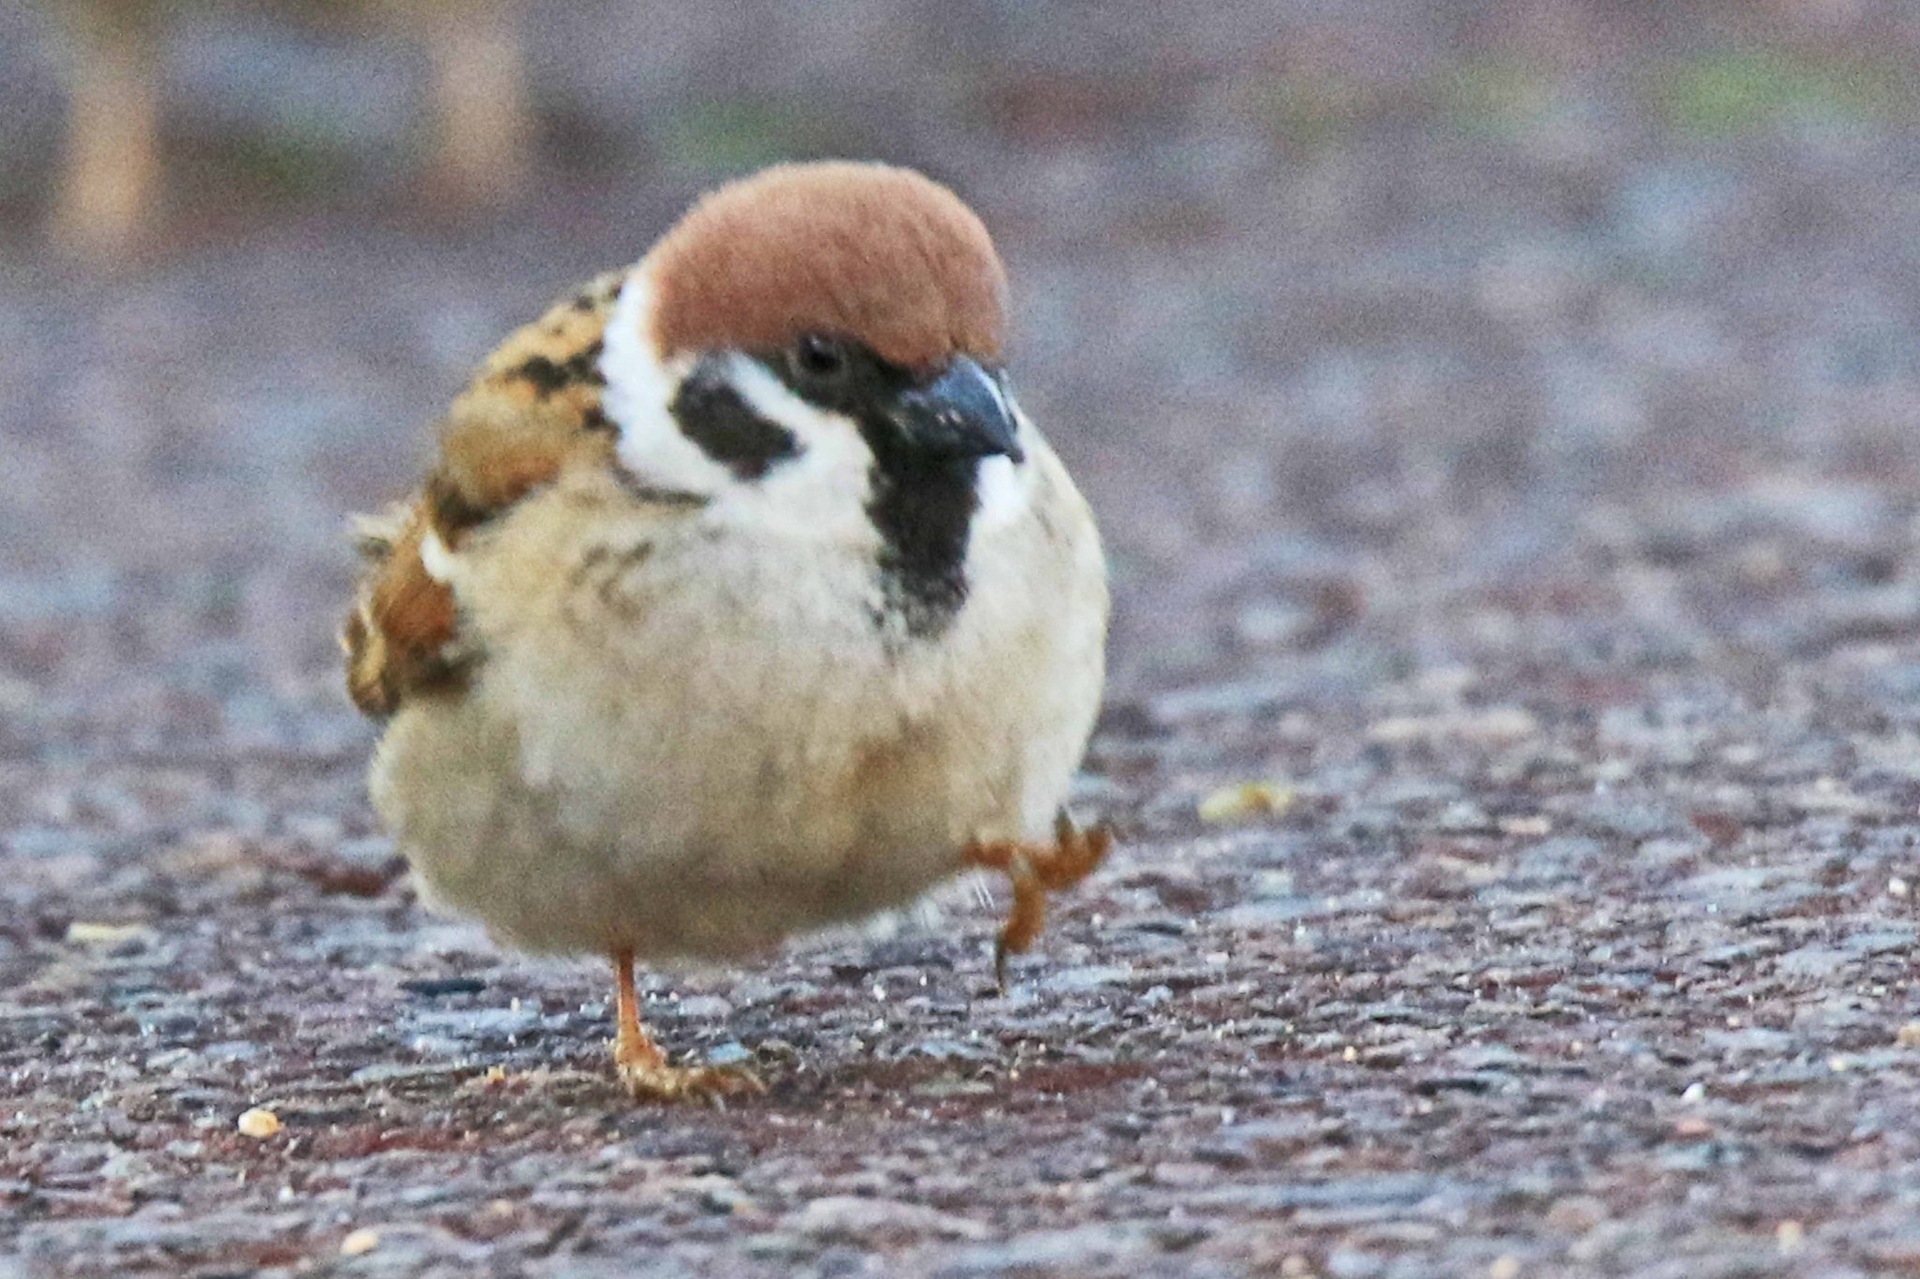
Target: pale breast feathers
{"points": [[533, 407]]}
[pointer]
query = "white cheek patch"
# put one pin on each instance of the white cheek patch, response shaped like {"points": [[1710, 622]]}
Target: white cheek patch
{"points": [[823, 490], [769, 397], [640, 390]]}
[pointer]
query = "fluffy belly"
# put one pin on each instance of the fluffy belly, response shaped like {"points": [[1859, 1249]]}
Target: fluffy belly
{"points": [[705, 830]]}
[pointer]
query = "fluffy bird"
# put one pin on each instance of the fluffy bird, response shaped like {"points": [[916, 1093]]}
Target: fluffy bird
{"points": [[742, 600]]}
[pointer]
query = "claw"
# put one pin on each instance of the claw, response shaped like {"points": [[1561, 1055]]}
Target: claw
{"points": [[1036, 870], [710, 1084]]}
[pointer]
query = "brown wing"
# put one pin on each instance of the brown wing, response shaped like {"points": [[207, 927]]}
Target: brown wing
{"points": [[401, 636], [533, 408]]}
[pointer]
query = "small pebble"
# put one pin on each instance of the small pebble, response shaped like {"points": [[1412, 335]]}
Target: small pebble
{"points": [[360, 1243], [434, 987], [1245, 800], [83, 933], [258, 1124]]}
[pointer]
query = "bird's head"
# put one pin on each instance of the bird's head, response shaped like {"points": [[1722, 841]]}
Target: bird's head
{"points": [[818, 345]]}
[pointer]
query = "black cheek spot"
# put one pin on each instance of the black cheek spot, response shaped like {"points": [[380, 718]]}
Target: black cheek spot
{"points": [[714, 416]]}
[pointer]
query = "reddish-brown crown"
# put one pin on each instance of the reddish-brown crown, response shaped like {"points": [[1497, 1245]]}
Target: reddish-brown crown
{"points": [[857, 250]]}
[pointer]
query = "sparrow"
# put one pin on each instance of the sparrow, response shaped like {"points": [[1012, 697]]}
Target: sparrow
{"points": [[741, 600]]}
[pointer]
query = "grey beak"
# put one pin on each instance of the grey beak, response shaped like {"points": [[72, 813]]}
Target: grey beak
{"points": [[961, 414]]}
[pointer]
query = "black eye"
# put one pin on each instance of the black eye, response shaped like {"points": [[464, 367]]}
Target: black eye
{"points": [[820, 359]]}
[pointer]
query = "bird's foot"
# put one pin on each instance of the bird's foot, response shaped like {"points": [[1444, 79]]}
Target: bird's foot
{"points": [[643, 1066], [1036, 870], [712, 1085]]}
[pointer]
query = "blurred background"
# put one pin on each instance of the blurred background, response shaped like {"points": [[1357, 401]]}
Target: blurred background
{"points": [[1381, 333]]}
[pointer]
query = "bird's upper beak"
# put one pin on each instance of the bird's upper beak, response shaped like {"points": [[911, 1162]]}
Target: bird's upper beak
{"points": [[963, 413]]}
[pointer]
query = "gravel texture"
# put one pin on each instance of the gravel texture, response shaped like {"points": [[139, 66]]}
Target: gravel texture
{"points": [[1507, 431]]}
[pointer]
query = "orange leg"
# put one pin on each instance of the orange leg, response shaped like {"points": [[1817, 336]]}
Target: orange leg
{"points": [[643, 1066], [1036, 870]]}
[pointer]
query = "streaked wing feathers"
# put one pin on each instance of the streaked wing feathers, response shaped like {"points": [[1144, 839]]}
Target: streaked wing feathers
{"points": [[533, 408]]}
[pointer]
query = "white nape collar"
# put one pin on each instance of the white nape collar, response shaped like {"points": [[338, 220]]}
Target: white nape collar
{"points": [[639, 397]]}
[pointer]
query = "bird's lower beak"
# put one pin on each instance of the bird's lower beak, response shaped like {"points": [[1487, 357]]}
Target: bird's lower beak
{"points": [[963, 413]]}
